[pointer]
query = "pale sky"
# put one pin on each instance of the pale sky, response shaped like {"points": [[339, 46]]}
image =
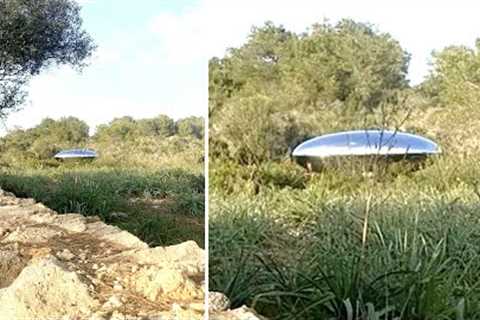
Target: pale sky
{"points": [[153, 54]]}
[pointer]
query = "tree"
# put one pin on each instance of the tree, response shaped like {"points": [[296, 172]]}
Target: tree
{"points": [[279, 86], [35, 34], [49, 137], [254, 64], [118, 129], [160, 126], [69, 131], [351, 62], [455, 76], [453, 88], [191, 126]]}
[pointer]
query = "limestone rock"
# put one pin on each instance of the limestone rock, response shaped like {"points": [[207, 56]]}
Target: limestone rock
{"points": [[218, 309], [65, 255], [155, 282], [242, 313], [68, 266], [45, 288], [186, 255], [217, 302], [32, 235]]}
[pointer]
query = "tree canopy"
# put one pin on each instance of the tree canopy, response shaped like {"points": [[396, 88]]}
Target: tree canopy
{"points": [[280, 85], [452, 91], [35, 34], [120, 136], [280, 88], [162, 126], [46, 139], [455, 75], [191, 126]]}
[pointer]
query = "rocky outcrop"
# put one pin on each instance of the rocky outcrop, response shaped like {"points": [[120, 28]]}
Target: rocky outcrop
{"points": [[219, 309], [67, 266]]}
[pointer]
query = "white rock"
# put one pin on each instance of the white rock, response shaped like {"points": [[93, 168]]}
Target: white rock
{"points": [[112, 303], [65, 255], [45, 289], [217, 301]]}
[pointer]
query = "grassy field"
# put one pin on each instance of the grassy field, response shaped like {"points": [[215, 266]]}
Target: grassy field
{"points": [[148, 177], [160, 206], [335, 245]]}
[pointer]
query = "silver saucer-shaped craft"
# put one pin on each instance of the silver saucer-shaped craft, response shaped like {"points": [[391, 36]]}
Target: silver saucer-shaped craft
{"points": [[76, 154], [386, 144]]}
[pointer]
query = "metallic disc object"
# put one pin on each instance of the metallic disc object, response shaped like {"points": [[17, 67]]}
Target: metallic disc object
{"points": [[76, 154], [389, 144]]}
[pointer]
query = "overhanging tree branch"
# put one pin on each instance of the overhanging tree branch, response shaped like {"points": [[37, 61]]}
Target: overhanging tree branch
{"points": [[34, 35]]}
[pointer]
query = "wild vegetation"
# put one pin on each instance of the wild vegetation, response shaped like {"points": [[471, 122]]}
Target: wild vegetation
{"points": [[339, 244], [148, 178]]}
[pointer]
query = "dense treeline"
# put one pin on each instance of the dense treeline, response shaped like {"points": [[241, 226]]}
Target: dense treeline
{"points": [[161, 127], [280, 87], [119, 141]]}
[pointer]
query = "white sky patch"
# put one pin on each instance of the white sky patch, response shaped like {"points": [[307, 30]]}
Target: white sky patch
{"points": [[420, 26], [84, 2], [182, 36], [106, 55]]}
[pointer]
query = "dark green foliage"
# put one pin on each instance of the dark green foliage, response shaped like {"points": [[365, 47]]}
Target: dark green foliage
{"points": [[228, 177], [117, 130], [452, 90], [455, 75], [33, 36], [191, 127], [46, 139], [280, 86], [162, 126], [166, 230], [98, 192]]}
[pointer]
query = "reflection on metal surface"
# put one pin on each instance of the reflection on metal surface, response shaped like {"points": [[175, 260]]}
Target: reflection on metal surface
{"points": [[76, 154], [388, 144], [366, 142]]}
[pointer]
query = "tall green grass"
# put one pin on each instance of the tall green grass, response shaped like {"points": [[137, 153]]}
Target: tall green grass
{"points": [[163, 206], [353, 247]]}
